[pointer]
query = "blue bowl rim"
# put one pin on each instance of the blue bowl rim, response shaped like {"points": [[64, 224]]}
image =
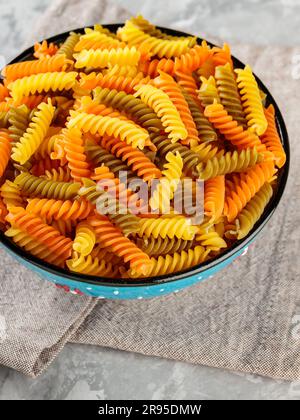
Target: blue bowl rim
{"points": [[236, 248]]}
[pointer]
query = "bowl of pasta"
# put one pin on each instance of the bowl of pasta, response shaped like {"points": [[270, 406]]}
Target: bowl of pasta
{"points": [[135, 160]]}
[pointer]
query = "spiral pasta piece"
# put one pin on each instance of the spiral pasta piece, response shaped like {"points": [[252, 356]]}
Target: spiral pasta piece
{"points": [[118, 82], [94, 124], [188, 84], [250, 214], [85, 239], [271, 138], [47, 146], [74, 149], [11, 194], [102, 58], [4, 123], [111, 237], [43, 188], [16, 71], [94, 40], [44, 50], [4, 92], [133, 36], [206, 132], [162, 196], [173, 167], [133, 106], [145, 26], [218, 57], [159, 246], [210, 239], [128, 70], [65, 210], [168, 85], [164, 191], [251, 99], [172, 227], [44, 82], [134, 158], [174, 263], [152, 67], [40, 232], [91, 106], [236, 161], [208, 151], [5, 149], [244, 186], [222, 56], [208, 92], [232, 131], [100, 28], [67, 47], [194, 58], [91, 266], [37, 249], [162, 105], [32, 101], [57, 149], [35, 133], [60, 174], [214, 196], [229, 93]]}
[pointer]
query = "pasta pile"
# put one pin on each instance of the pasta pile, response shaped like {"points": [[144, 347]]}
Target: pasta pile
{"points": [[160, 109]]}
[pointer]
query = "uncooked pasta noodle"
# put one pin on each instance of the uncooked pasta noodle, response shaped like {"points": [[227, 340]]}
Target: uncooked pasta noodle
{"points": [[133, 154]]}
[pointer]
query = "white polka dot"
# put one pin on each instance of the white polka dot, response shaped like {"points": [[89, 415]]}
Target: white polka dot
{"points": [[200, 278], [116, 292], [140, 297], [176, 291], [210, 277], [245, 251], [162, 290], [101, 297], [88, 288]]}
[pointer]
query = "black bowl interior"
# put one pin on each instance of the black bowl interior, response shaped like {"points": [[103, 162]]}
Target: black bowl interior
{"points": [[235, 248]]}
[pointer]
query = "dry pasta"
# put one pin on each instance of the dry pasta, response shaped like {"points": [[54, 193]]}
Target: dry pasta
{"points": [[133, 154]]}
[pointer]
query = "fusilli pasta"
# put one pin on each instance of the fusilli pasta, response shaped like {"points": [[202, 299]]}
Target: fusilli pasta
{"points": [[34, 134], [133, 154], [162, 105], [251, 98]]}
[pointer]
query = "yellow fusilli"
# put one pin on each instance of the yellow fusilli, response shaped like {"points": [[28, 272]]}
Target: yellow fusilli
{"points": [[35, 133], [160, 102], [251, 99], [44, 82]]}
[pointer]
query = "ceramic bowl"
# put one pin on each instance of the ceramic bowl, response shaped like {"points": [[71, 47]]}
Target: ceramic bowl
{"points": [[104, 288]]}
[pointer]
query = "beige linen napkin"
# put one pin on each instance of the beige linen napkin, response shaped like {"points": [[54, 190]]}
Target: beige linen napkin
{"points": [[246, 318]]}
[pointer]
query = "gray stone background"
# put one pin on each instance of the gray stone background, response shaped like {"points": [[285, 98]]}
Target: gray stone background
{"points": [[86, 372]]}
